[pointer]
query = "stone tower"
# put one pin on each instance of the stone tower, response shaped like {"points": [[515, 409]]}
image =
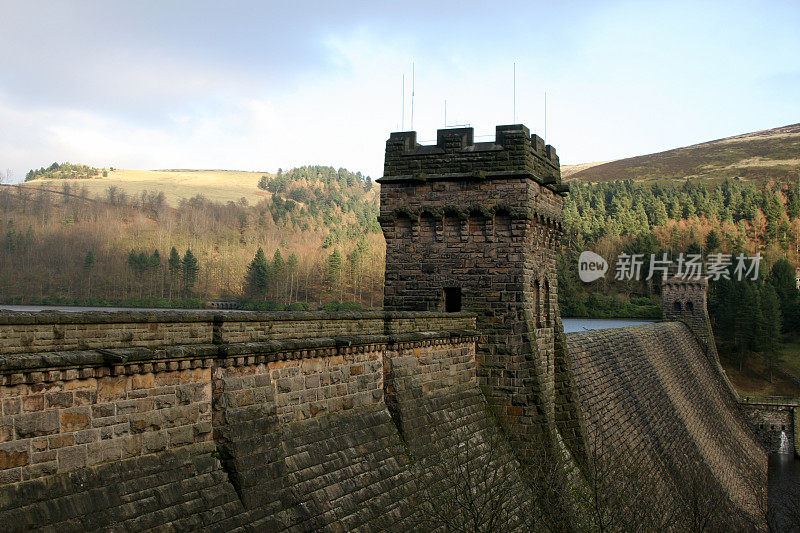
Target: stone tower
{"points": [[684, 300], [475, 227]]}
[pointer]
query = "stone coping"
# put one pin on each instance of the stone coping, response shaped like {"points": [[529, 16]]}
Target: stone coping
{"points": [[13, 366], [116, 317]]}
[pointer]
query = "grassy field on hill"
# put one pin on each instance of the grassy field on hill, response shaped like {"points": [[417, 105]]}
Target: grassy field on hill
{"points": [[760, 156], [217, 185]]}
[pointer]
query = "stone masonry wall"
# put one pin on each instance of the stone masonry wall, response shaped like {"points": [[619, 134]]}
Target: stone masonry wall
{"points": [[685, 300], [234, 424], [769, 421], [483, 220], [44, 332], [651, 394]]}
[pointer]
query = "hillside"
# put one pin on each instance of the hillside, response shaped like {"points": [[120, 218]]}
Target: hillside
{"points": [[109, 238], [756, 156], [217, 185]]}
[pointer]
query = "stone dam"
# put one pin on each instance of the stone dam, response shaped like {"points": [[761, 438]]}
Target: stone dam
{"points": [[229, 421]]}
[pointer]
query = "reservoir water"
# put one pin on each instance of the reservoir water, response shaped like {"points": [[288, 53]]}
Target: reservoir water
{"points": [[572, 325], [784, 492]]}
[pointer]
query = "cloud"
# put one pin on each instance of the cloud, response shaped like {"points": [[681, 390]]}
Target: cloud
{"points": [[257, 86]]}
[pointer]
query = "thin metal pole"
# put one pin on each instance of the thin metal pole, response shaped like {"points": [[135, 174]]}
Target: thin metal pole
{"points": [[412, 96]]}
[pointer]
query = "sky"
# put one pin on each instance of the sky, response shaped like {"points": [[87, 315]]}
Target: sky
{"points": [[267, 85]]}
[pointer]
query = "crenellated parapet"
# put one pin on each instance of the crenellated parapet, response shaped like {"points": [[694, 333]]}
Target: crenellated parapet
{"points": [[455, 156]]}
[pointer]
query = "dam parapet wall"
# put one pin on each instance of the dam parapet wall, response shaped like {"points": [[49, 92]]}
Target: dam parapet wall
{"points": [[113, 386]]}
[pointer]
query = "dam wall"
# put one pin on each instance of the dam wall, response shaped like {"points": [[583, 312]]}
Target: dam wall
{"points": [[264, 423], [651, 394], [461, 407]]}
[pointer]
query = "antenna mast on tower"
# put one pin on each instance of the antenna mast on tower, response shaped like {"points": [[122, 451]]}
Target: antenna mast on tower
{"points": [[412, 96], [545, 117], [515, 94]]}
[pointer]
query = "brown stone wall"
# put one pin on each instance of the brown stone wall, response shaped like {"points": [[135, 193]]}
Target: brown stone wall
{"points": [[650, 394], [770, 420], [456, 153], [44, 332], [281, 434], [62, 411], [73, 422], [685, 300]]}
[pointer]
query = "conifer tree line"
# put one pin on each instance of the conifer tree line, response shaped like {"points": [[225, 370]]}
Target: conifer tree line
{"points": [[751, 315], [655, 218], [152, 276], [65, 171], [732, 217]]}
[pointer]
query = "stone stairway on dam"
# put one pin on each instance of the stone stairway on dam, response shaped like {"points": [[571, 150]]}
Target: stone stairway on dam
{"points": [[462, 394]]}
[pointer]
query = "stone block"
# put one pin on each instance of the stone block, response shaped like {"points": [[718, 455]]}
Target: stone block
{"points": [[33, 403], [75, 419], [71, 458], [154, 441], [36, 424], [14, 454], [112, 388], [180, 436]]}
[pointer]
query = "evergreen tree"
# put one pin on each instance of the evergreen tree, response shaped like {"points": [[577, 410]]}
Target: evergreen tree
{"points": [[333, 270], [258, 276], [793, 204], [155, 261], [175, 265], [277, 263], [190, 266], [712, 241], [770, 327], [88, 265], [291, 268], [174, 262], [782, 278]]}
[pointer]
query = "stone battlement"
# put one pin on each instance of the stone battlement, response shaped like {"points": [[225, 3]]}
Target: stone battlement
{"points": [[455, 156]]}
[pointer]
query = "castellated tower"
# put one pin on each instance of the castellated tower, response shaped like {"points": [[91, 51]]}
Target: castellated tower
{"points": [[475, 227], [684, 300]]}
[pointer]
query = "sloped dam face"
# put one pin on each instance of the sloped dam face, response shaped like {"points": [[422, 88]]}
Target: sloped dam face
{"points": [[650, 394], [297, 422]]}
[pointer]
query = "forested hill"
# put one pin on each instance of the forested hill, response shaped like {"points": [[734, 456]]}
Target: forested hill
{"points": [[109, 238], [762, 155]]}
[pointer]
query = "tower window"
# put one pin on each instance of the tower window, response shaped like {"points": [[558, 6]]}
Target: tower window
{"points": [[452, 299]]}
